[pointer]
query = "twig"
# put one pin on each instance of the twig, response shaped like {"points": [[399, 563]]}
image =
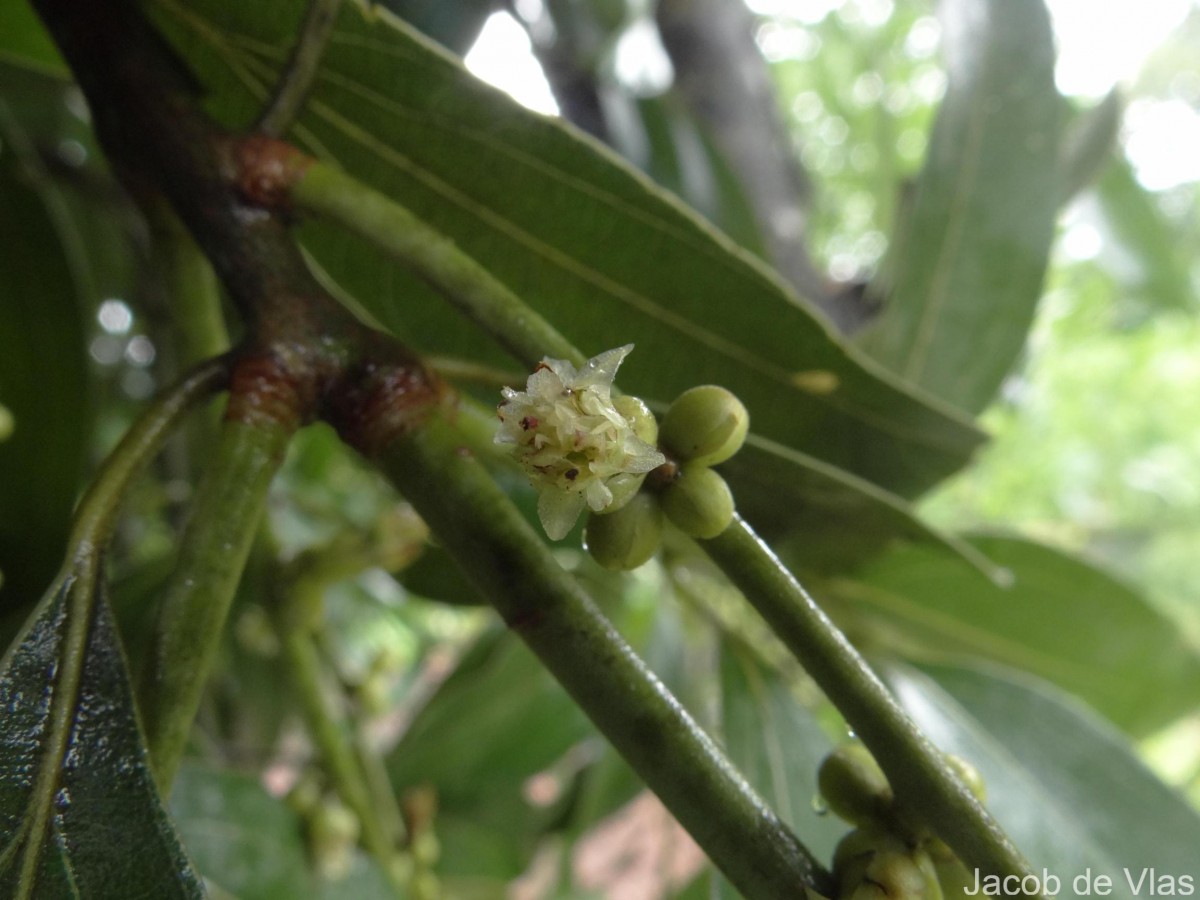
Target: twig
{"points": [[300, 70], [327, 191], [925, 787], [507, 561]]}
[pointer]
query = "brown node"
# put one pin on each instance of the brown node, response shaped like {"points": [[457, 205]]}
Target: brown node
{"points": [[264, 391], [371, 403], [266, 168]]}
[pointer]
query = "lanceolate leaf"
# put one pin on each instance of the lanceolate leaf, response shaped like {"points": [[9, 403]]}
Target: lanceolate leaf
{"points": [[1065, 786], [596, 249], [79, 813], [1058, 618], [967, 262]]}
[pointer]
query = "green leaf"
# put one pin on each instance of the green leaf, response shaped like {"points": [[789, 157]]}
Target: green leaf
{"points": [[1059, 618], [498, 720], [25, 42], [252, 845], [826, 520], [586, 241], [1163, 276], [43, 376], [967, 262], [78, 807], [1088, 145], [777, 745], [1066, 787]]}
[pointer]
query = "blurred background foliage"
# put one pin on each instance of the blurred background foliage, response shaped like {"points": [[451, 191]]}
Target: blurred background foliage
{"points": [[1093, 450]]}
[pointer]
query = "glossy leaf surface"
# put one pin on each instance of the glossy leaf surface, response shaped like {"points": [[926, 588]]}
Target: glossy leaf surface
{"points": [[78, 808]]}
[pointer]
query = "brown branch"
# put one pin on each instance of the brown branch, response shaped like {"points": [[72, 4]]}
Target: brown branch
{"points": [[228, 191]]}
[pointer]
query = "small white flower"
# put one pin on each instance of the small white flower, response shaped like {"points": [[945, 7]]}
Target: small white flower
{"points": [[570, 437]]}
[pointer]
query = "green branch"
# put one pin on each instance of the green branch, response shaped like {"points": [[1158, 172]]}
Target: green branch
{"points": [[229, 503], [922, 779], [96, 514], [925, 787], [335, 744], [327, 191], [300, 69], [544, 605]]}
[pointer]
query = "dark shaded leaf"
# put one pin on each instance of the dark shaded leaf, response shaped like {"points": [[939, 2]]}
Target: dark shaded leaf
{"points": [[455, 26], [25, 42], [967, 263], [1060, 619], [587, 242], [1066, 787], [43, 378], [78, 807]]}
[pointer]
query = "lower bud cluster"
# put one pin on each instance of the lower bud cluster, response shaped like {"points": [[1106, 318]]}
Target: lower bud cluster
{"points": [[883, 858], [705, 426]]}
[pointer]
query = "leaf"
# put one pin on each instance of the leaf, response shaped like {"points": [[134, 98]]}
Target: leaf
{"points": [[967, 265], [582, 238], [494, 723], [825, 520], [1089, 143], [251, 844], [1066, 787], [78, 808], [25, 42], [1060, 619], [776, 743], [43, 376], [455, 26], [1163, 275]]}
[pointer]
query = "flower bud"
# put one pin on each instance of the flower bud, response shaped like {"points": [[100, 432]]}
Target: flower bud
{"points": [[705, 425], [969, 775], [854, 787], [628, 537], [873, 864], [698, 502], [639, 416], [624, 487]]}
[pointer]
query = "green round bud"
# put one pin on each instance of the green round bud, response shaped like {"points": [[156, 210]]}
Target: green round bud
{"points": [[305, 794], [969, 775], [624, 487], [705, 425], [954, 878], [639, 416], [904, 875], [854, 786], [332, 833], [875, 864], [698, 502], [628, 537]]}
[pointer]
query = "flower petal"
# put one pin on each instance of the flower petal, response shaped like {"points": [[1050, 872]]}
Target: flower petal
{"points": [[559, 510]]}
